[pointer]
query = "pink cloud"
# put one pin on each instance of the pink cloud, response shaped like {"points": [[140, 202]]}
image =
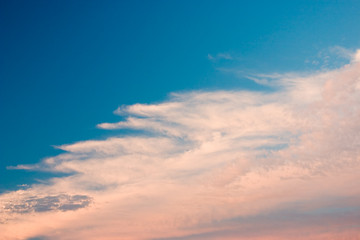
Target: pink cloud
{"points": [[210, 165]]}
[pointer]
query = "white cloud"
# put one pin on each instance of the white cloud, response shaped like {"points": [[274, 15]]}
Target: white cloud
{"points": [[343, 52], [330, 58], [356, 56], [220, 56], [212, 164]]}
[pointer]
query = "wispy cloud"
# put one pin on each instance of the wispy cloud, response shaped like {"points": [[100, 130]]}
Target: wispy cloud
{"points": [[210, 165], [60, 202], [332, 57], [220, 56], [343, 52]]}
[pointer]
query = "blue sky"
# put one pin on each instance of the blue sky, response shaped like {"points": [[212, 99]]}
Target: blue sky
{"points": [[65, 66]]}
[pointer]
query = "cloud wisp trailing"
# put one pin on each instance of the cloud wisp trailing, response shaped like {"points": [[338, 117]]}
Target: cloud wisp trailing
{"points": [[209, 165], [221, 56]]}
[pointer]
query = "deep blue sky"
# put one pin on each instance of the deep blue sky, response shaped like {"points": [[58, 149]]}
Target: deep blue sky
{"points": [[66, 65]]}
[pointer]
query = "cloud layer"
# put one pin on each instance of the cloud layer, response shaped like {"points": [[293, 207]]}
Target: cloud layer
{"points": [[280, 164]]}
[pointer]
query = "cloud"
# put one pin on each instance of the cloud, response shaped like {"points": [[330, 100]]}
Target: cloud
{"points": [[356, 56], [220, 56], [343, 52], [209, 165], [330, 58], [61, 202]]}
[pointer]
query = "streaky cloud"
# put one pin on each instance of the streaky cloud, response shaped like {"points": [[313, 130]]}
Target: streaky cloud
{"points": [[219, 164]]}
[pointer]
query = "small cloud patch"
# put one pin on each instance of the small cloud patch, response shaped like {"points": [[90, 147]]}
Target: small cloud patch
{"points": [[62, 202]]}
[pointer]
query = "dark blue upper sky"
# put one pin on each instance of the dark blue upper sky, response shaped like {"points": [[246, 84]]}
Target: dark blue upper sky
{"points": [[66, 65]]}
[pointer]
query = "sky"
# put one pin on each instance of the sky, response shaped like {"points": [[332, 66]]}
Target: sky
{"points": [[169, 120]]}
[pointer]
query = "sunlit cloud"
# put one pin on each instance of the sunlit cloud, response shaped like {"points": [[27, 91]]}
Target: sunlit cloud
{"points": [[281, 164]]}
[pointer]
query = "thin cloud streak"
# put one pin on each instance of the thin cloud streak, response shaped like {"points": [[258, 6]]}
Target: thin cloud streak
{"points": [[210, 165], [220, 56]]}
